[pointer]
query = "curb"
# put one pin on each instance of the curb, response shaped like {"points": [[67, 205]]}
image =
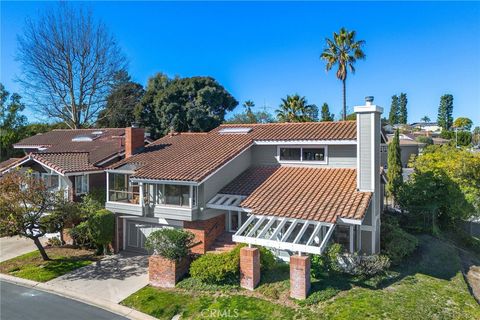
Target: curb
{"points": [[68, 293]]}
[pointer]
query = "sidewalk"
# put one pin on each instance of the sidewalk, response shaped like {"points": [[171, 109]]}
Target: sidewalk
{"points": [[75, 295]]}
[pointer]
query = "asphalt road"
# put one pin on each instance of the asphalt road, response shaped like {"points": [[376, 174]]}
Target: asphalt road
{"points": [[22, 303]]}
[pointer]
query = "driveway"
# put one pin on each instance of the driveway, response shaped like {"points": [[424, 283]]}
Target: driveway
{"points": [[113, 278], [11, 247]]}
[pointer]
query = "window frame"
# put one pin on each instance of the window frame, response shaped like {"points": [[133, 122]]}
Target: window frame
{"points": [[84, 179], [301, 147]]}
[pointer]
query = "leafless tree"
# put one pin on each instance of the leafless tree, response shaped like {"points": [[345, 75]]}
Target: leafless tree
{"points": [[68, 60]]}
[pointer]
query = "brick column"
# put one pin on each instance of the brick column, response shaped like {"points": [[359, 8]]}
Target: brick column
{"points": [[118, 238], [249, 267], [166, 273], [299, 276]]}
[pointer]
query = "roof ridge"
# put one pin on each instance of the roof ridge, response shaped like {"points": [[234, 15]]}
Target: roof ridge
{"points": [[284, 123]]}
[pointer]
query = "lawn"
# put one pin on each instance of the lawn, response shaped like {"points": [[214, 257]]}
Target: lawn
{"points": [[429, 285], [31, 265]]}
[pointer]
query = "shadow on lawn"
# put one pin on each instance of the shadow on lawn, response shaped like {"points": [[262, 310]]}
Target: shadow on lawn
{"points": [[120, 266]]}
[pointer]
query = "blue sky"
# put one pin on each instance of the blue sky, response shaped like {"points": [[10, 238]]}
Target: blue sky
{"points": [[265, 50]]}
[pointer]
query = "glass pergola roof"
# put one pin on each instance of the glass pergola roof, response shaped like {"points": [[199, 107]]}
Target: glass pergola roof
{"points": [[304, 236]]}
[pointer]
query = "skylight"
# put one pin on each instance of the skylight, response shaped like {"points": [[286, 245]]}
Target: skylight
{"points": [[97, 132], [235, 130], [82, 139]]}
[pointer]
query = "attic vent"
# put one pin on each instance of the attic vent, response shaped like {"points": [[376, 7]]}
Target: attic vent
{"points": [[237, 130], [97, 132], [82, 139]]}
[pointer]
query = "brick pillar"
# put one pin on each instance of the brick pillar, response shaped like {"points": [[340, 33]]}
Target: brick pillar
{"points": [[299, 276], [249, 267], [166, 273], [118, 238]]}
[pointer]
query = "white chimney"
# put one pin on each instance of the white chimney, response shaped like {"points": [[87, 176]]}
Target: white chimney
{"points": [[368, 170]]}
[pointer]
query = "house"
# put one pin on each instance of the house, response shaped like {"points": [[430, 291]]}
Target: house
{"points": [[427, 126], [408, 147], [292, 187], [72, 161]]}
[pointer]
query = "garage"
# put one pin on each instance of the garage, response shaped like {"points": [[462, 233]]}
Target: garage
{"points": [[137, 233]]}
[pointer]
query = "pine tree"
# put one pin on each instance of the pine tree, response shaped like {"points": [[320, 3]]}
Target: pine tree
{"points": [[402, 112], [394, 167], [326, 115], [393, 116], [445, 111]]}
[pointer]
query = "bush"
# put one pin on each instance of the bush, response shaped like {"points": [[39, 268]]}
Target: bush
{"points": [[396, 243], [422, 139], [54, 242], [101, 228], [222, 268], [365, 265], [172, 244], [327, 262], [80, 235]]}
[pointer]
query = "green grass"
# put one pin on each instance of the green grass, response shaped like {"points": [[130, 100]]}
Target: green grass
{"points": [[429, 285], [164, 304], [31, 265]]}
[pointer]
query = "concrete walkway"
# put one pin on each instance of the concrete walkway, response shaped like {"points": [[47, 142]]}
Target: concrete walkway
{"points": [[113, 278], [11, 247]]}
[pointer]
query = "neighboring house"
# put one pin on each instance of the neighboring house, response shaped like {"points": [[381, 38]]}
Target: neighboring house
{"points": [[72, 161], [408, 147], [427, 126], [292, 187]]}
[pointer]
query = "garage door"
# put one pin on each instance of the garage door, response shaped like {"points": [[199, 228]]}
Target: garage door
{"points": [[137, 233]]}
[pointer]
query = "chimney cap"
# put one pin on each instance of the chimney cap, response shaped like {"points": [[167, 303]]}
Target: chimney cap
{"points": [[369, 99]]}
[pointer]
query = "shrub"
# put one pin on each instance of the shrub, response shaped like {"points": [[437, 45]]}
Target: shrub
{"points": [[172, 244], [101, 228], [80, 235], [365, 265], [424, 139], [222, 268], [54, 242], [396, 243], [327, 262]]}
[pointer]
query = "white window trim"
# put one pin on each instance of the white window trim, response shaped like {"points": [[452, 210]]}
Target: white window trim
{"points": [[87, 182], [301, 147]]}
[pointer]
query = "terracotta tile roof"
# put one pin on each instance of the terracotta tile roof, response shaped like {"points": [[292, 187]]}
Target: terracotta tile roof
{"points": [[194, 156], [302, 193], [66, 155], [7, 163], [339, 130], [66, 162]]}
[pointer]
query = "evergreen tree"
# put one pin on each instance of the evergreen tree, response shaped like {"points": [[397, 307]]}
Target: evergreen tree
{"points": [[445, 111], [394, 168], [326, 115], [394, 111], [402, 112]]}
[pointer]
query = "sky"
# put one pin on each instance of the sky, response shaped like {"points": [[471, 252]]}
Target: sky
{"points": [[262, 51]]}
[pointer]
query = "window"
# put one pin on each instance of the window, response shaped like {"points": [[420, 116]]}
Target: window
{"points": [[313, 154], [290, 154], [81, 184], [194, 196], [302, 154], [121, 189], [177, 195], [383, 148], [51, 181]]}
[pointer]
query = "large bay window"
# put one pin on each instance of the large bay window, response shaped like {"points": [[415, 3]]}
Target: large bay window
{"points": [[302, 154], [121, 189]]}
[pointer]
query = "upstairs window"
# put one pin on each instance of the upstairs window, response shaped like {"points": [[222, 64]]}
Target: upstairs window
{"points": [[302, 154], [177, 195]]}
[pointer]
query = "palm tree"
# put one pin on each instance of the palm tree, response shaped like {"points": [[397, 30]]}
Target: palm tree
{"points": [[296, 109], [425, 119], [343, 50]]}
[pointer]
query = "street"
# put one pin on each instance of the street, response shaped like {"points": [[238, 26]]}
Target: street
{"points": [[19, 303]]}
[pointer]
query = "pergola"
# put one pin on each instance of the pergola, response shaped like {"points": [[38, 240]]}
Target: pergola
{"points": [[296, 235]]}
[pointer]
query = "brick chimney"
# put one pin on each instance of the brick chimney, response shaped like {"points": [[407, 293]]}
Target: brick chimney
{"points": [[134, 140]]}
